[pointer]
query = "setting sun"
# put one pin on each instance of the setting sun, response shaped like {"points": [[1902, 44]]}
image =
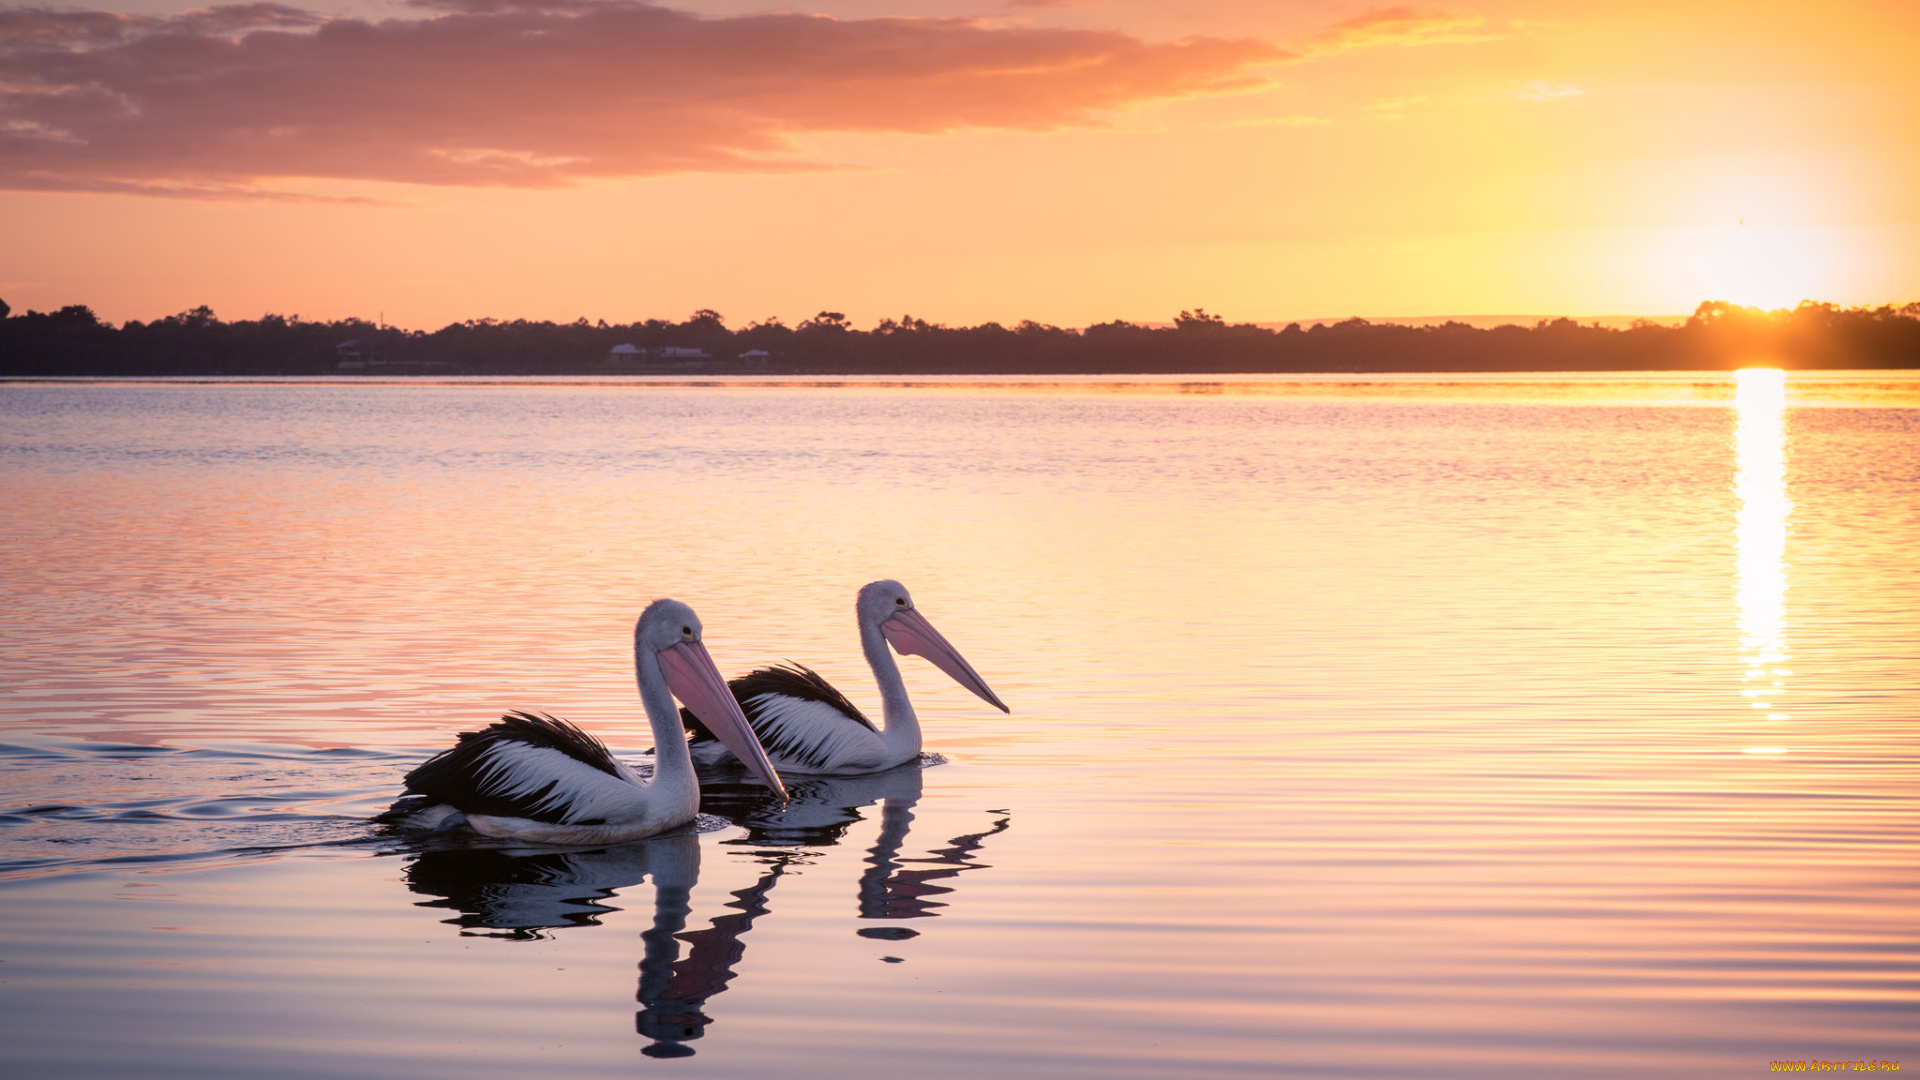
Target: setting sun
{"points": [[1770, 266]]}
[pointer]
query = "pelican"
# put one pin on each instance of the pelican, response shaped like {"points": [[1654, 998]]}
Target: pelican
{"points": [[807, 726], [540, 779]]}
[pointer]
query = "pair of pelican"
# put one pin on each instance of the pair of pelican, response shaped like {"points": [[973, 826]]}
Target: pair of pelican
{"points": [[540, 779]]}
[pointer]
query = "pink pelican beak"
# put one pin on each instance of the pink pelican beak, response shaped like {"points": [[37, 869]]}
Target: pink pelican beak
{"points": [[694, 679], [911, 634]]}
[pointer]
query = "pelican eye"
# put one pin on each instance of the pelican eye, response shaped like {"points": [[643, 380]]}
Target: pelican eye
{"points": [[687, 632], [899, 601]]}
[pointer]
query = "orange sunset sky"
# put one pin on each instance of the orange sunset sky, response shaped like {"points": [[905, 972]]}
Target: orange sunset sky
{"points": [[1070, 161]]}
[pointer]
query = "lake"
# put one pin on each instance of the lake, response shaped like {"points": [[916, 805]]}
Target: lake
{"points": [[1389, 726]]}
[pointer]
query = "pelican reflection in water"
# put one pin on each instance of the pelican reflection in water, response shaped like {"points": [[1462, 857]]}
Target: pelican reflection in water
{"points": [[820, 810], [523, 893]]}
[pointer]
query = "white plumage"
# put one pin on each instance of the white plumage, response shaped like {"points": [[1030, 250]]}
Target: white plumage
{"points": [[829, 739], [808, 727], [536, 778]]}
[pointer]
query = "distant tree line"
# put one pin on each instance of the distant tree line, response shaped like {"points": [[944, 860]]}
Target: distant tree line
{"points": [[1719, 336]]}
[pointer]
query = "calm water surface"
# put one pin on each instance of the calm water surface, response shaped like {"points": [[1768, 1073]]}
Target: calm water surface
{"points": [[1536, 726]]}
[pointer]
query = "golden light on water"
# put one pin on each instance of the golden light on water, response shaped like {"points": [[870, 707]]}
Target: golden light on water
{"points": [[1333, 744], [1760, 447]]}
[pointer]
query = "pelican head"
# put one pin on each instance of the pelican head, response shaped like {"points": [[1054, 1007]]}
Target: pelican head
{"points": [[670, 632], [888, 606]]}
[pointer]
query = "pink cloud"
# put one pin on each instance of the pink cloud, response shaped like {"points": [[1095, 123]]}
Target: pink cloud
{"points": [[20, 26], [230, 101]]}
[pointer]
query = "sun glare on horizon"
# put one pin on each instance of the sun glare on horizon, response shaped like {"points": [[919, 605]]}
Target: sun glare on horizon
{"points": [[1767, 266]]}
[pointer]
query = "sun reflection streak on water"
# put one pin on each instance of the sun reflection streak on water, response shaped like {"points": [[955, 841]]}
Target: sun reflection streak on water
{"points": [[1760, 446]]}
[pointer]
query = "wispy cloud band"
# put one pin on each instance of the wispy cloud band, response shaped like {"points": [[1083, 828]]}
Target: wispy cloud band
{"points": [[1398, 26], [250, 100], [534, 93]]}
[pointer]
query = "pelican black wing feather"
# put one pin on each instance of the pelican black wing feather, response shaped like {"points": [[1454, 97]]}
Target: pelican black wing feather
{"points": [[792, 680], [471, 777], [795, 681]]}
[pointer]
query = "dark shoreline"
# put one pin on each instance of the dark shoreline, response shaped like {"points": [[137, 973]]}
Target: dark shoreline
{"points": [[1718, 337]]}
